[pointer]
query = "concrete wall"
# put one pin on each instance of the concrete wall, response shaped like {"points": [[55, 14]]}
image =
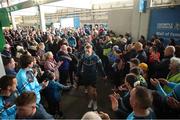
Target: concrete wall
{"points": [[130, 20], [144, 24], [140, 21], [178, 2], [120, 20]]}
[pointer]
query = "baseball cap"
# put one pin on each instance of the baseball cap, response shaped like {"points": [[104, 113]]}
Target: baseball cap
{"points": [[115, 47]]}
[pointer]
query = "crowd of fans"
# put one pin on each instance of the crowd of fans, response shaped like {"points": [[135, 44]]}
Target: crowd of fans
{"points": [[145, 74]]}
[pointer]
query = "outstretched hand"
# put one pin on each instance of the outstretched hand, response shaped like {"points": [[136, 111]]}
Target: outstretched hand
{"points": [[154, 82], [60, 63], [163, 81], [123, 87], [114, 102], [45, 83], [173, 103]]}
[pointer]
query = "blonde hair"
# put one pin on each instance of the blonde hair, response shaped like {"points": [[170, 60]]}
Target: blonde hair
{"points": [[177, 62], [41, 46], [138, 45], [171, 49], [48, 54], [91, 116]]}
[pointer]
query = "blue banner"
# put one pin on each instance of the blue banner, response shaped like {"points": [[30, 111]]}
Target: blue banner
{"points": [[142, 5], [165, 23], [76, 22]]}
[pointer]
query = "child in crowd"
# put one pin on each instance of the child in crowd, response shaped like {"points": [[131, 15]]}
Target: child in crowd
{"points": [[53, 93], [137, 72], [144, 68]]}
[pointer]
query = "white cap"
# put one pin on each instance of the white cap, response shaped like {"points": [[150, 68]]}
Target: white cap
{"points": [[115, 47]]}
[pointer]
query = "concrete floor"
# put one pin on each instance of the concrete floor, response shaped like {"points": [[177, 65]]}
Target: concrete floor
{"points": [[74, 102]]}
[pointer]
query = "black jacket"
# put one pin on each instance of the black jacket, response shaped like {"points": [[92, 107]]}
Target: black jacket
{"points": [[141, 55], [162, 67]]}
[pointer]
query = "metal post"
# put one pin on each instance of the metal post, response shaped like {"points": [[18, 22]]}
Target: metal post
{"points": [[139, 25], [42, 18]]}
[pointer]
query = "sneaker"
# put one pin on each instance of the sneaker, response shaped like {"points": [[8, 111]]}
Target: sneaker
{"points": [[86, 91], [90, 104], [74, 86], [95, 105]]}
